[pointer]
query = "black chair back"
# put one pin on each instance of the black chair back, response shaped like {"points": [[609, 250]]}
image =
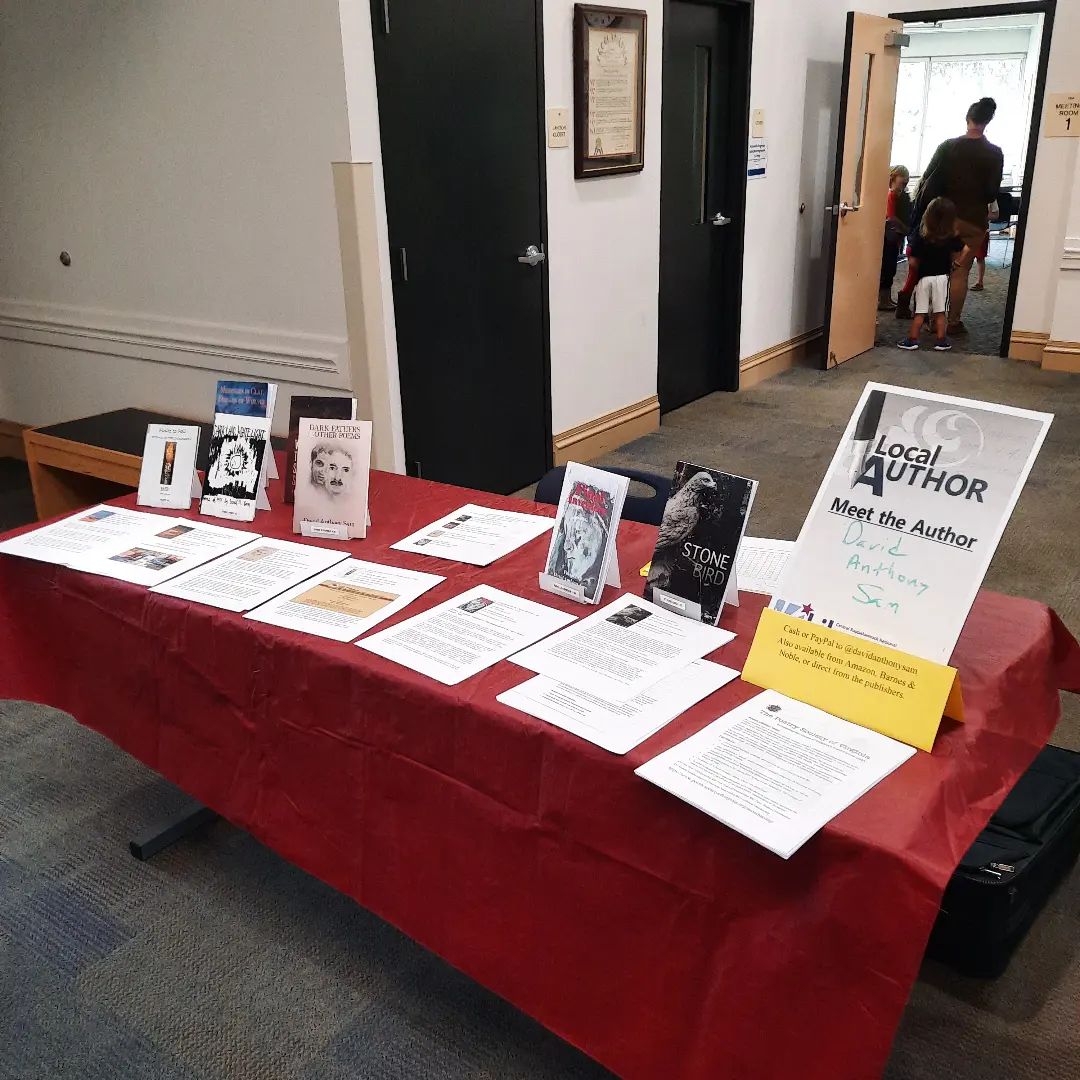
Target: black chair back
{"points": [[1006, 202], [647, 509]]}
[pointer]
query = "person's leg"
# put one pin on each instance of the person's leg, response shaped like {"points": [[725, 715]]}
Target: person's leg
{"points": [[958, 286], [903, 297], [912, 340], [939, 325], [980, 276], [888, 272], [922, 306]]}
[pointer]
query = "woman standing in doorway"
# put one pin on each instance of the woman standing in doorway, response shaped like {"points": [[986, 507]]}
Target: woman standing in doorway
{"points": [[967, 170]]}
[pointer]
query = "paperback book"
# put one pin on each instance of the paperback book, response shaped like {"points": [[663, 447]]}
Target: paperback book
{"points": [[240, 459], [311, 408], [167, 477], [582, 556], [333, 459], [234, 471], [693, 566]]}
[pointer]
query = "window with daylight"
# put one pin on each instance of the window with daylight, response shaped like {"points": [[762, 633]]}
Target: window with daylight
{"points": [[932, 97]]}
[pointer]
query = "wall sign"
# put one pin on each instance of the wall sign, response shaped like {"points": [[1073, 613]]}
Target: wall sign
{"points": [[757, 158], [558, 128], [1062, 116], [609, 90]]}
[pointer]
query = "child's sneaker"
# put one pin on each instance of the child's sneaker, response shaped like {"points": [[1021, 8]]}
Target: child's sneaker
{"points": [[942, 345], [907, 343]]}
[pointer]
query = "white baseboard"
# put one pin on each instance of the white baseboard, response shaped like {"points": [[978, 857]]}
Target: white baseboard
{"points": [[244, 350]]}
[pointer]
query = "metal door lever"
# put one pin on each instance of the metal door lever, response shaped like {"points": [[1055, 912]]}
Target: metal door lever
{"points": [[719, 219], [533, 256]]}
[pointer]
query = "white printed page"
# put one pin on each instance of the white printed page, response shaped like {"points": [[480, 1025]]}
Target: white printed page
{"points": [[345, 601], [249, 577], [623, 649], [761, 563], [619, 726], [475, 535], [65, 541], [465, 635], [172, 548], [776, 770], [168, 466]]}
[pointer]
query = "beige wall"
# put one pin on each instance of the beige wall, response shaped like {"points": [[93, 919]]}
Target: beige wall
{"points": [[181, 153]]}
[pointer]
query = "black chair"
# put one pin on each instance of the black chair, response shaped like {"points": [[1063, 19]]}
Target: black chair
{"points": [[648, 509], [1002, 224]]}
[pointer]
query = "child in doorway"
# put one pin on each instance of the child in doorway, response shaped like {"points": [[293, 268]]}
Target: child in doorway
{"points": [[897, 226], [934, 249]]}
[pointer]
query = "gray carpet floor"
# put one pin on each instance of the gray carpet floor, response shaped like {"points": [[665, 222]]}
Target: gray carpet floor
{"points": [[218, 961]]}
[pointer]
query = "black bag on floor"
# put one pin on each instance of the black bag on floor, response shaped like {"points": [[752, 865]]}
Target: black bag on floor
{"points": [[1006, 877]]}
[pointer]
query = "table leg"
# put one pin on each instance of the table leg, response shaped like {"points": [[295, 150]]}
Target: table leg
{"points": [[161, 835]]}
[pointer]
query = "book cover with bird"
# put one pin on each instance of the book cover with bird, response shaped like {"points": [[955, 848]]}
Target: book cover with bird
{"points": [[703, 524]]}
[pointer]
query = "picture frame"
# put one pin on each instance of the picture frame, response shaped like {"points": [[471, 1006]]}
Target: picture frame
{"points": [[609, 90]]}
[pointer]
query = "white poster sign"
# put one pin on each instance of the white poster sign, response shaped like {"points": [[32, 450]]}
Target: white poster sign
{"points": [[908, 516]]}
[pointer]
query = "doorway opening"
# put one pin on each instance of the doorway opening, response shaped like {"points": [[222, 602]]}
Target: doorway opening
{"points": [[952, 59]]}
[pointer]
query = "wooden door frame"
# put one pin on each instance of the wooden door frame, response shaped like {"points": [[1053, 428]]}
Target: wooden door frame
{"points": [[545, 294], [739, 134], [1047, 8]]}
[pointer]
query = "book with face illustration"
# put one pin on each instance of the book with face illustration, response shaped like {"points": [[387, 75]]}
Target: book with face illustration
{"points": [[694, 562], [582, 554], [333, 460]]}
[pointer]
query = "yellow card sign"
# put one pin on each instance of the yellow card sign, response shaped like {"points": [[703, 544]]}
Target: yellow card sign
{"points": [[900, 695]]}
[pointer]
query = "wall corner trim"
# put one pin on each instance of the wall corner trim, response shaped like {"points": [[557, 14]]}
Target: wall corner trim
{"points": [[795, 352], [11, 440], [608, 432], [1061, 356], [1027, 345]]}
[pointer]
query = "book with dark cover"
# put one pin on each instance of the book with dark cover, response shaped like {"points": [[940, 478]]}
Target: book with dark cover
{"points": [[311, 408], [702, 527]]}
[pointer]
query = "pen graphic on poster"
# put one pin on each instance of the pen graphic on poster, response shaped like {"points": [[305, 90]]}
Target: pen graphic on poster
{"points": [[865, 430]]}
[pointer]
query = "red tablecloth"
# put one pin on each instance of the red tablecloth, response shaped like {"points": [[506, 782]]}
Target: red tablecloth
{"points": [[652, 937]]}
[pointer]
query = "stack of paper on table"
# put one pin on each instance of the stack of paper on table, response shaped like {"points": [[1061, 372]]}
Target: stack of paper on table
{"points": [[64, 542], [249, 577], [618, 726], [345, 601], [776, 770], [760, 563], [475, 535], [622, 649], [461, 637], [173, 547]]}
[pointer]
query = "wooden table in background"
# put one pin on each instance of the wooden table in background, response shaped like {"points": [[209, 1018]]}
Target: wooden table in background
{"points": [[82, 462]]}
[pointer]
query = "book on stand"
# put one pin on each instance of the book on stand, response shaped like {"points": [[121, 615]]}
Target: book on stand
{"points": [[693, 567], [333, 461]]}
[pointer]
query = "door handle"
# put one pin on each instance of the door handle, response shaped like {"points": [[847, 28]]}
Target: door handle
{"points": [[719, 219], [843, 209], [533, 256]]}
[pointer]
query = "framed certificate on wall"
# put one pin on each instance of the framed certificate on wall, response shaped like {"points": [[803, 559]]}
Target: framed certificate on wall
{"points": [[609, 90]]}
